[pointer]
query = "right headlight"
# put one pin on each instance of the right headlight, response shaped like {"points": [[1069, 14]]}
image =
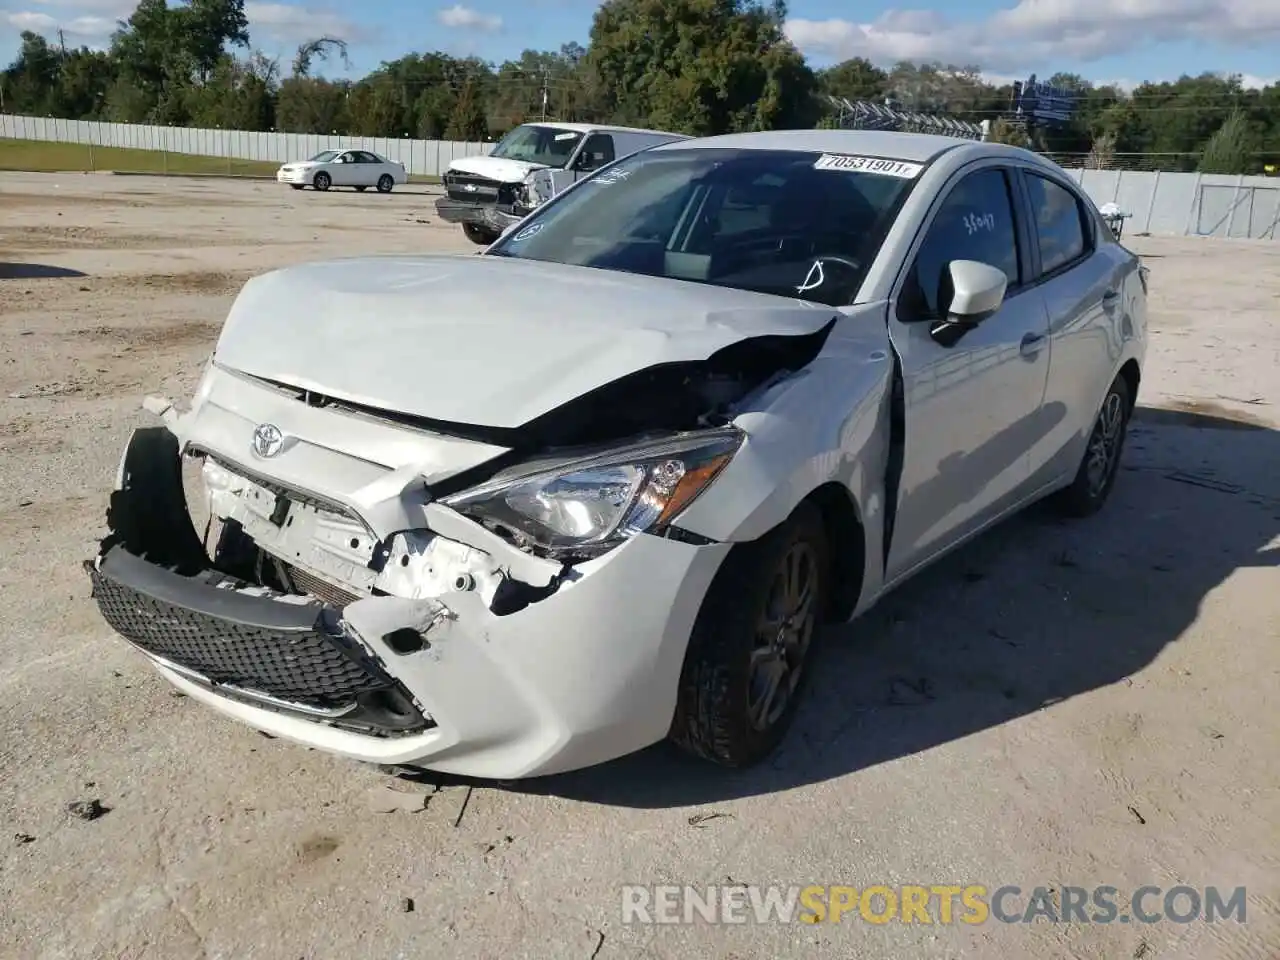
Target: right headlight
{"points": [[537, 188], [587, 507]]}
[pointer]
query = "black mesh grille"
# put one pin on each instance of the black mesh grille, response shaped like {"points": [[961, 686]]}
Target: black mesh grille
{"points": [[312, 667]]}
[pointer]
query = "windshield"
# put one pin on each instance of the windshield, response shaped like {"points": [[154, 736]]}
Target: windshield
{"points": [[324, 156], [549, 146], [795, 224]]}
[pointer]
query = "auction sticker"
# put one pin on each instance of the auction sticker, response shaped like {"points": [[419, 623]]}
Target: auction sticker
{"points": [[885, 168]]}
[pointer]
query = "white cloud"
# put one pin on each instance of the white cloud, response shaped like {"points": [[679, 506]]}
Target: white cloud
{"points": [[1038, 31], [78, 29], [286, 23], [464, 18], [269, 23]]}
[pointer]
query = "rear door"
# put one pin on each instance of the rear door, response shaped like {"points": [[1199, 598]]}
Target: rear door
{"points": [[1079, 274], [972, 407]]}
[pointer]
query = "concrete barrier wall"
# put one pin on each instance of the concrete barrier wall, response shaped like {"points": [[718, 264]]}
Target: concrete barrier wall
{"points": [[1189, 204], [1179, 204], [423, 157]]}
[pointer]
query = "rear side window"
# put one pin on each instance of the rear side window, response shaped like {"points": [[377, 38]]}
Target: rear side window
{"points": [[1059, 220]]}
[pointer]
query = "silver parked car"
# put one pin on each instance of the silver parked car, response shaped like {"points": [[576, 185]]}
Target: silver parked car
{"points": [[523, 512]]}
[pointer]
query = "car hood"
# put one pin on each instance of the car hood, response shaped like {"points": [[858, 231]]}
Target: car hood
{"points": [[496, 168], [486, 341], [300, 164]]}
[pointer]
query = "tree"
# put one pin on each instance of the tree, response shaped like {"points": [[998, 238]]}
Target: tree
{"points": [[855, 79], [468, 121], [1230, 149], [699, 66]]}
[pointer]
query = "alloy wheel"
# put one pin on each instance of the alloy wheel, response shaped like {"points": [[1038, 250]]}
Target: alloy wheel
{"points": [[783, 635]]}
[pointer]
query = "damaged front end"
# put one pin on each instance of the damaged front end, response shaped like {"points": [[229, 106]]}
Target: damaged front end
{"points": [[284, 600]]}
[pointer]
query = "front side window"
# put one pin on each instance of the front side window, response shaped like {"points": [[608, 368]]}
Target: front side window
{"points": [[1059, 224], [974, 222], [549, 146], [778, 222], [324, 156], [596, 152]]}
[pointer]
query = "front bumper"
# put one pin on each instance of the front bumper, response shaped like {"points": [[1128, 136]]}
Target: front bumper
{"points": [[292, 176], [492, 216], [585, 674]]}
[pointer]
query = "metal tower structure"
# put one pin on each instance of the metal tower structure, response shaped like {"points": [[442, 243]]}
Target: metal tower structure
{"points": [[865, 115]]}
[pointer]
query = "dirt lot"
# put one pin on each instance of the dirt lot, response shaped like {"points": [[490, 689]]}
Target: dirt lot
{"points": [[1088, 704]]}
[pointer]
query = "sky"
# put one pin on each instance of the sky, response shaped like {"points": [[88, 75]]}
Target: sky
{"points": [[1107, 41]]}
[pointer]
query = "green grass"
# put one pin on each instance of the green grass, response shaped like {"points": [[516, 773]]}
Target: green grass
{"points": [[40, 156], [44, 157]]}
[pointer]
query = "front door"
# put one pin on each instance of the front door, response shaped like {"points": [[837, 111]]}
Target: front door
{"points": [[972, 408]]}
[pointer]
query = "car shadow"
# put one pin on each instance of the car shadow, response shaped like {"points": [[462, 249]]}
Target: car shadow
{"points": [[36, 271], [1033, 612]]}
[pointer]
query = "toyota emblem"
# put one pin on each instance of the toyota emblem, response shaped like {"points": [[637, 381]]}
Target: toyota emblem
{"points": [[267, 441]]}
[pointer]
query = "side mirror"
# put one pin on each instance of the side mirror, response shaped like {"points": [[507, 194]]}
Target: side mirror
{"points": [[977, 291]]}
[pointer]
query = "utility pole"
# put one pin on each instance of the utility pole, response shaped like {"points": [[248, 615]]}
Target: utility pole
{"points": [[545, 95], [62, 43]]}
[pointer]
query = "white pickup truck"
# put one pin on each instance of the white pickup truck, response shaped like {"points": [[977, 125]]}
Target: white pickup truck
{"points": [[529, 166]]}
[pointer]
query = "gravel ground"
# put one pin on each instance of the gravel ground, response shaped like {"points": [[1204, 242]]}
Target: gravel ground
{"points": [[1056, 704]]}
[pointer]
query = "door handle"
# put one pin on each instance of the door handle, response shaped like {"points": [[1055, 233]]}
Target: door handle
{"points": [[1030, 345], [1110, 297]]}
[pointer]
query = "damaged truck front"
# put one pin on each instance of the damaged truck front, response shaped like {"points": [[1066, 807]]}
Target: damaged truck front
{"points": [[328, 547]]}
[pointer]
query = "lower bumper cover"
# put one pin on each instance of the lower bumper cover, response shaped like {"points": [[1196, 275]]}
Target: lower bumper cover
{"points": [[289, 656], [492, 216]]}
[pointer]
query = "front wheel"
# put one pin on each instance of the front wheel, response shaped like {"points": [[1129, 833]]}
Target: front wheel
{"points": [[385, 183], [322, 181], [748, 655], [478, 234], [1096, 474]]}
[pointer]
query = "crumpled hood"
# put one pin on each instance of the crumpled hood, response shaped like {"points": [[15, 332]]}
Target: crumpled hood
{"points": [[482, 340], [496, 168]]}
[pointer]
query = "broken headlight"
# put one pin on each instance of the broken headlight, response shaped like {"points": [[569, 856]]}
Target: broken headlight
{"points": [[588, 506]]}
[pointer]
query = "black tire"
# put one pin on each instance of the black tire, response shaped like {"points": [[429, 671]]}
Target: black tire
{"points": [[297, 186], [713, 717], [385, 183], [478, 234], [361, 189], [1096, 476], [322, 181]]}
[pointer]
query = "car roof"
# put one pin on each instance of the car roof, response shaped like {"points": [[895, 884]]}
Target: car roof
{"points": [[601, 127], [915, 147]]}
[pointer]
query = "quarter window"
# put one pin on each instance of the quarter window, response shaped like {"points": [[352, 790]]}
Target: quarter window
{"points": [[1059, 223], [975, 222]]}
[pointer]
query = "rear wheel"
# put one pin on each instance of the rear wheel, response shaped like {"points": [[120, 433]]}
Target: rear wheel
{"points": [[1101, 462], [385, 183], [748, 656], [478, 234], [322, 181]]}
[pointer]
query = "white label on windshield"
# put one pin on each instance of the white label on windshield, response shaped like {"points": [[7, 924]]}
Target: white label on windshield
{"points": [[886, 168], [566, 136]]}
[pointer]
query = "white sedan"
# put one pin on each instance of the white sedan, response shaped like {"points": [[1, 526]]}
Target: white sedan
{"points": [[361, 169], [527, 511]]}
